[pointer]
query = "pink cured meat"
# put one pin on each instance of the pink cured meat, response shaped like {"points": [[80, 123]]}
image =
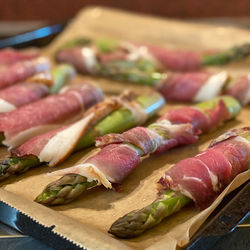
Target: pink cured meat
{"points": [[218, 115], [204, 176], [188, 115], [143, 139], [183, 87], [240, 89], [116, 161], [23, 93], [114, 56], [176, 60], [21, 70], [73, 56], [9, 56], [35, 144], [137, 136], [53, 109], [198, 119], [176, 142]]}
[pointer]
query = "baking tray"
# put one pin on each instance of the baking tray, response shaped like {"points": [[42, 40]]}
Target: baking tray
{"points": [[85, 222]]}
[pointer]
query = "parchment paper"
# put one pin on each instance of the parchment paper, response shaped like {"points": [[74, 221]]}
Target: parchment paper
{"points": [[86, 220]]}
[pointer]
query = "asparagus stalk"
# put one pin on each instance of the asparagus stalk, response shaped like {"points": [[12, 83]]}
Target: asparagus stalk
{"points": [[14, 164], [142, 71], [49, 198], [233, 54], [61, 75], [136, 222], [118, 121], [79, 41], [65, 189]]}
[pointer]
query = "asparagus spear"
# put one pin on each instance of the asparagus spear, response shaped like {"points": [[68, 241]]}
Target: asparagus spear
{"points": [[61, 75], [49, 197], [79, 41], [136, 222], [118, 121], [13, 164], [233, 54]]}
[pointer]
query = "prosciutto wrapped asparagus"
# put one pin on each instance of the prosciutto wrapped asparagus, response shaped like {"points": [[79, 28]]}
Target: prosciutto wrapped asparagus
{"points": [[34, 88], [20, 71], [113, 115], [143, 64], [43, 115], [201, 86], [86, 55], [120, 154], [200, 179]]}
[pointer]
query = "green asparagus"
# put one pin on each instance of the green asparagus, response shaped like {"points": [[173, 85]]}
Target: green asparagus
{"points": [[65, 189], [234, 54], [62, 74], [15, 164], [136, 222], [142, 71]]}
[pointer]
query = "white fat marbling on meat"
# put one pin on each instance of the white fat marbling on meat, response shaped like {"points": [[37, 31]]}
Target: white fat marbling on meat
{"points": [[177, 188], [90, 171], [6, 106], [213, 177], [63, 142], [14, 140], [212, 87], [89, 58], [172, 130], [158, 139], [136, 52], [195, 179]]}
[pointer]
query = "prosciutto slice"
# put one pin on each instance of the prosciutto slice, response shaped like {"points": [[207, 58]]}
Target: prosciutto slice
{"points": [[21, 70], [26, 92], [9, 56], [176, 60], [193, 86], [33, 119], [20, 94], [204, 176]]}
